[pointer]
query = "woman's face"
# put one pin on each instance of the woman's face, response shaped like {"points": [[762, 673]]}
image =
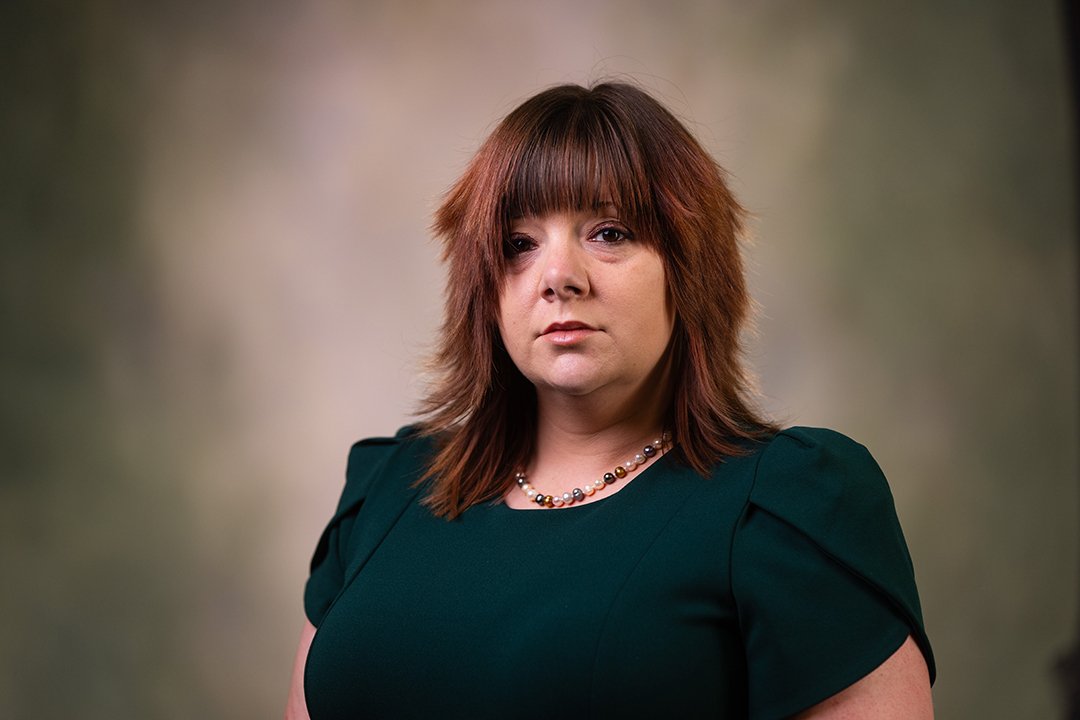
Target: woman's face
{"points": [[584, 305]]}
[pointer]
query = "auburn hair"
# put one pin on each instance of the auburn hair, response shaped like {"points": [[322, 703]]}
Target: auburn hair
{"points": [[569, 148]]}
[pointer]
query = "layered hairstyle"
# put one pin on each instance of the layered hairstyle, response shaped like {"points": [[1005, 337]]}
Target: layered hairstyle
{"points": [[571, 148]]}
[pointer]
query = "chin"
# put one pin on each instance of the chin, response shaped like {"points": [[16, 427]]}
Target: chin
{"points": [[570, 383], [565, 386], [570, 376]]}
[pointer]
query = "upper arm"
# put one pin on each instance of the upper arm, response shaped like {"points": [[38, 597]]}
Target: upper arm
{"points": [[898, 689], [296, 705]]}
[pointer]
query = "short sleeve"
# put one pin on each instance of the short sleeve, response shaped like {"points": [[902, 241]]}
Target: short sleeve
{"points": [[330, 558], [821, 573]]}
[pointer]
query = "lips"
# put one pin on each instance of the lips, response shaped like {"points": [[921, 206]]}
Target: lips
{"points": [[567, 334], [566, 326]]}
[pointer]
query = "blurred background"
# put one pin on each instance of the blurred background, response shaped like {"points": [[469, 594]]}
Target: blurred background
{"points": [[216, 273]]}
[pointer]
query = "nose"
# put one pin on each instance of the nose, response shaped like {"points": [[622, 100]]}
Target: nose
{"points": [[564, 275]]}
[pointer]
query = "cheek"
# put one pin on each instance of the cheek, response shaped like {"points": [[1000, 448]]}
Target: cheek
{"points": [[505, 302], [503, 329], [509, 319], [658, 311], [515, 294], [655, 297]]}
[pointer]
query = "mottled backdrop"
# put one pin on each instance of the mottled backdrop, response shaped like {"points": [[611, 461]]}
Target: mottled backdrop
{"points": [[216, 273]]}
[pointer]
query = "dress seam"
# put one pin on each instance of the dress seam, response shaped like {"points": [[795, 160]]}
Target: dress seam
{"points": [[618, 593], [747, 502]]}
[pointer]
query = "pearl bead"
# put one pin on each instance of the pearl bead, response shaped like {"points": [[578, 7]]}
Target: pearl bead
{"points": [[578, 494]]}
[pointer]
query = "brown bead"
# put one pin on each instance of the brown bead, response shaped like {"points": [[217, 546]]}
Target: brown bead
{"points": [[620, 472]]}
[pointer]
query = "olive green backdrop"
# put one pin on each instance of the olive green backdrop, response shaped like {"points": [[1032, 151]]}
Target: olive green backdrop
{"points": [[216, 273]]}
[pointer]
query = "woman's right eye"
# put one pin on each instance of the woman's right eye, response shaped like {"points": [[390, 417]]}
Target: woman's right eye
{"points": [[516, 245]]}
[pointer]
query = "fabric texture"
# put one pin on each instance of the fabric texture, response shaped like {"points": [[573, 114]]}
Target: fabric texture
{"points": [[758, 591]]}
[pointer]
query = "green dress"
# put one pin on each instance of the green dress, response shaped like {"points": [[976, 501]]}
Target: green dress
{"points": [[756, 592]]}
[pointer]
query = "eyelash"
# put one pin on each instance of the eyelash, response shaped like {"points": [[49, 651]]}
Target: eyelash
{"points": [[517, 244], [624, 234], [511, 247]]}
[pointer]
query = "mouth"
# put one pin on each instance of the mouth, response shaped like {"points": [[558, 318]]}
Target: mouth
{"points": [[566, 327], [567, 334]]}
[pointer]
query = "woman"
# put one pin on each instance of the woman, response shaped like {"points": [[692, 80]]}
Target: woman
{"points": [[592, 520]]}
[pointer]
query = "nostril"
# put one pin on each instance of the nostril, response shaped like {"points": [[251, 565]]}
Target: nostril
{"points": [[563, 281]]}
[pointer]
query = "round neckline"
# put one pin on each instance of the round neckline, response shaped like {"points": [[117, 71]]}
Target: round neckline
{"points": [[579, 507]]}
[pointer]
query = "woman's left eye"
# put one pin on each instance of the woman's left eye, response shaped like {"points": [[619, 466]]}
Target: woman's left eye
{"points": [[612, 235]]}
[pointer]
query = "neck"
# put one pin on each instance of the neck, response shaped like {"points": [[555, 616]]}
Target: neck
{"points": [[580, 430], [582, 436]]}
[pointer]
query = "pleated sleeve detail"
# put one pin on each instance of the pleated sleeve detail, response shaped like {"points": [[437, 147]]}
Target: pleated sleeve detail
{"points": [[330, 558], [821, 574]]}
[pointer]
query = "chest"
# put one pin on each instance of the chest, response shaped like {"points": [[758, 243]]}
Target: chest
{"points": [[608, 609]]}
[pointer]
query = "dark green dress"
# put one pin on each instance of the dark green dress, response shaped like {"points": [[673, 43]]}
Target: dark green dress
{"points": [[756, 592]]}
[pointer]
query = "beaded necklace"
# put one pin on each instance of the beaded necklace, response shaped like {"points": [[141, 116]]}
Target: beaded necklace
{"points": [[578, 494]]}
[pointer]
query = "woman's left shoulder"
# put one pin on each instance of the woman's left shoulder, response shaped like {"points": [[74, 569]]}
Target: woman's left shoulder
{"points": [[830, 489], [806, 471], [821, 570]]}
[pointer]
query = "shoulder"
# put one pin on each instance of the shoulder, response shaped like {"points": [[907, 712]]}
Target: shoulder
{"points": [[818, 494], [377, 480], [799, 471], [372, 449], [830, 489], [808, 474], [809, 447], [370, 457], [820, 572]]}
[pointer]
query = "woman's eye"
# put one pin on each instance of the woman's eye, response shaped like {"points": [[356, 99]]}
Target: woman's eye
{"points": [[515, 245], [612, 235]]}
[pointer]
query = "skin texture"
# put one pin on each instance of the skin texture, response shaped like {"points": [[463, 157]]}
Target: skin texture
{"points": [[586, 267], [601, 394], [296, 705]]}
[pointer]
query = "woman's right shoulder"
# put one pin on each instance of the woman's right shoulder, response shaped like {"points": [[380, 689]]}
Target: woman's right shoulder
{"points": [[380, 479], [370, 457], [369, 449]]}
